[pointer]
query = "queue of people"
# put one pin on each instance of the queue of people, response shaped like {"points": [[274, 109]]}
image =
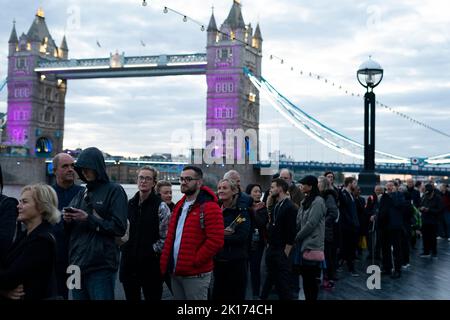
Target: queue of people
{"points": [[310, 231]]}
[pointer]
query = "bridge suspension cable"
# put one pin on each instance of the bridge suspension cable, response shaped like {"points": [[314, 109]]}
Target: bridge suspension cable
{"points": [[314, 128], [3, 84], [314, 75]]}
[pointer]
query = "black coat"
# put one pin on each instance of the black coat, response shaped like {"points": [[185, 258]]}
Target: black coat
{"points": [[348, 213], [8, 224], [31, 262], [392, 211], [138, 257], [235, 246]]}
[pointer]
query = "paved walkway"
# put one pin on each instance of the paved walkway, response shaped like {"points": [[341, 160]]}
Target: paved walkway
{"points": [[425, 279]]}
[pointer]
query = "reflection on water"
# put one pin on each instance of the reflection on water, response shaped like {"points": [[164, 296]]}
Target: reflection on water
{"points": [[130, 189]]}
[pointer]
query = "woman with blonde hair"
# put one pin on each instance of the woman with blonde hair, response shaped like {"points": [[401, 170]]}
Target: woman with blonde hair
{"points": [[28, 269]]}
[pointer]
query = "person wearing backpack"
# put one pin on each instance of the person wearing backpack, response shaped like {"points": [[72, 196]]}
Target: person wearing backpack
{"points": [[195, 235]]}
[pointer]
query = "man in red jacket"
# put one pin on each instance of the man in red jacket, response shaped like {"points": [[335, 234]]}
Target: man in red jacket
{"points": [[195, 235]]}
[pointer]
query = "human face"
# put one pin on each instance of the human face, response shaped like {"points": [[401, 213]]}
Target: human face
{"points": [[64, 172], [256, 194], [353, 185], [284, 174], [306, 188], [330, 178], [389, 187], [274, 192], [189, 183], [89, 174], [224, 191], [145, 181], [166, 194], [410, 183], [27, 207], [378, 190]]}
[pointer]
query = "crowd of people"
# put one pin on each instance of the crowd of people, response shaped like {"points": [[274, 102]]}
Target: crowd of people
{"points": [[212, 242]]}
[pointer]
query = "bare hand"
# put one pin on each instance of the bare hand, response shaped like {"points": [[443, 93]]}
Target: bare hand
{"points": [[78, 215], [258, 205], [228, 232], [15, 294], [372, 218]]}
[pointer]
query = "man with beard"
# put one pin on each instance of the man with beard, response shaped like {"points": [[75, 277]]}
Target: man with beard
{"points": [[194, 237]]}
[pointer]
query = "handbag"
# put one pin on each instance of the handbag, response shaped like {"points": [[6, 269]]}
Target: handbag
{"points": [[313, 255]]}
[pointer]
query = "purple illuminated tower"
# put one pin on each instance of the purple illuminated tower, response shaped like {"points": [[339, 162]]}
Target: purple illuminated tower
{"points": [[232, 100], [35, 104]]}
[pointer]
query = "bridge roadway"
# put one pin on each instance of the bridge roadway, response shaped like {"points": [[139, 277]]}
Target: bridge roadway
{"points": [[425, 279]]}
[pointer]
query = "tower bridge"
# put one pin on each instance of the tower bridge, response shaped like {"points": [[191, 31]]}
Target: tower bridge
{"points": [[38, 72]]}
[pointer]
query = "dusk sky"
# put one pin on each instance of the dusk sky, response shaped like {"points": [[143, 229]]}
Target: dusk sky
{"points": [[137, 116]]}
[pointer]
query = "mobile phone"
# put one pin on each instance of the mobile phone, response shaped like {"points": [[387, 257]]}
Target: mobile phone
{"points": [[68, 209]]}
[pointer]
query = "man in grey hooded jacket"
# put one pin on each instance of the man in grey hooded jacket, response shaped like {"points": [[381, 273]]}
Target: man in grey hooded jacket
{"points": [[95, 218]]}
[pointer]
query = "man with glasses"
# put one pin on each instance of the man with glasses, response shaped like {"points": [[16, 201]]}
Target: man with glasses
{"points": [[195, 235], [149, 218], [94, 219]]}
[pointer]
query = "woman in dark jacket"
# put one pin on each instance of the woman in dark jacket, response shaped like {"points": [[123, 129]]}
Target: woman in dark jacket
{"points": [[28, 271], [8, 217], [259, 217], [230, 264], [330, 196]]}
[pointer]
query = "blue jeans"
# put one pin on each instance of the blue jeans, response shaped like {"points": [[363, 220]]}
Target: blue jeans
{"points": [[97, 285]]}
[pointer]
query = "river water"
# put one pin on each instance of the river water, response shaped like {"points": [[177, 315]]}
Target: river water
{"points": [[130, 189]]}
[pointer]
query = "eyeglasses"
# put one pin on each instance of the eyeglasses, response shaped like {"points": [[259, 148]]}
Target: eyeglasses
{"points": [[147, 179], [186, 179]]}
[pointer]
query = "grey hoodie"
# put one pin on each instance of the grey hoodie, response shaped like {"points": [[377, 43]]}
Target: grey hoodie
{"points": [[92, 244]]}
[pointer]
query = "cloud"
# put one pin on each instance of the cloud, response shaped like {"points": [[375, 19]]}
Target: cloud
{"points": [[136, 116]]}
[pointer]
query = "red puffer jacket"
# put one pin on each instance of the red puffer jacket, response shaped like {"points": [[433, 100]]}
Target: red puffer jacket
{"points": [[199, 244]]}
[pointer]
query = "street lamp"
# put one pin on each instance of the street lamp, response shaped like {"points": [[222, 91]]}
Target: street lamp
{"points": [[369, 75]]}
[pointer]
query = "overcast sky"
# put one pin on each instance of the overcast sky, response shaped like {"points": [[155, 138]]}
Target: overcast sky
{"points": [[137, 116]]}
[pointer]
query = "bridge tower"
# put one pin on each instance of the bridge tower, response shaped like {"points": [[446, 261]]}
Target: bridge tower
{"points": [[35, 104], [232, 100]]}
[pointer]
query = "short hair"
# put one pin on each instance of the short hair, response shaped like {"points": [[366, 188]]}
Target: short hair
{"points": [[149, 168], [289, 171], [281, 183], [348, 180], [230, 173], [197, 171], [327, 173], [232, 183], [162, 183], [46, 201], [418, 184], [250, 187]]}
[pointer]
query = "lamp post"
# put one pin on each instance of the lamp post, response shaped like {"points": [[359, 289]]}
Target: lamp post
{"points": [[369, 75]]}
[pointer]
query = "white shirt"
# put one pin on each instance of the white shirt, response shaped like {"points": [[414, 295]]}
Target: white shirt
{"points": [[179, 231]]}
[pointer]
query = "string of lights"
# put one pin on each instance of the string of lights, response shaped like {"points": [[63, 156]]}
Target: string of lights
{"points": [[301, 72]]}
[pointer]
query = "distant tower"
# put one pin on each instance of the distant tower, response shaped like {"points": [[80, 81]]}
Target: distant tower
{"points": [[232, 100], [35, 104]]}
